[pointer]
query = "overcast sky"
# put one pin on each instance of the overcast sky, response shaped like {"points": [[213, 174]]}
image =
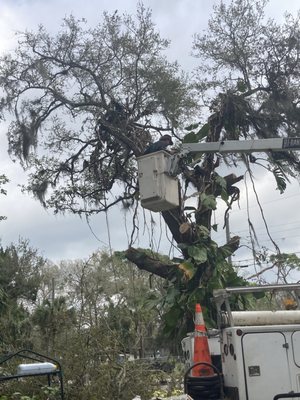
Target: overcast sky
{"points": [[68, 237]]}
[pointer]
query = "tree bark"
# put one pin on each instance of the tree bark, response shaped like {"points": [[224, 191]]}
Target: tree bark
{"points": [[232, 245], [152, 265]]}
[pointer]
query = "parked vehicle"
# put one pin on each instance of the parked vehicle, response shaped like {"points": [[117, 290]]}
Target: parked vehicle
{"points": [[256, 354]]}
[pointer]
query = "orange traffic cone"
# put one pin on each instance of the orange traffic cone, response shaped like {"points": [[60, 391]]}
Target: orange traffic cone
{"points": [[201, 349]]}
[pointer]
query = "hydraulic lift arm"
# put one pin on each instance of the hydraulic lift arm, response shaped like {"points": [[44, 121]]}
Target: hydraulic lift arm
{"points": [[234, 146], [243, 146]]}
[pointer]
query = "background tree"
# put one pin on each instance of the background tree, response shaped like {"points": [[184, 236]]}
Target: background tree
{"points": [[110, 320], [102, 317], [53, 319], [19, 282], [108, 285], [89, 100]]}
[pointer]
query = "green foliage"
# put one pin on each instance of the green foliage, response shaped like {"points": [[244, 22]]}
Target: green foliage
{"points": [[19, 271], [198, 253], [3, 181], [52, 392], [221, 183], [280, 179], [44, 393], [174, 379], [52, 318], [185, 292], [290, 259], [19, 284], [196, 137], [208, 201]]}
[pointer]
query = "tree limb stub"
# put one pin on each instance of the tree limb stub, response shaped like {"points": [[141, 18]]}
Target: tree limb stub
{"points": [[231, 246], [147, 263]]}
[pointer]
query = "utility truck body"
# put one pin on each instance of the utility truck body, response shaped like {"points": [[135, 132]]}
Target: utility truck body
{"points": [[260, 362], [259, 351]]}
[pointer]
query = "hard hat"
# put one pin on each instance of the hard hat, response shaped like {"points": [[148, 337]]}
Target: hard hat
{"points": [[167, 138]]}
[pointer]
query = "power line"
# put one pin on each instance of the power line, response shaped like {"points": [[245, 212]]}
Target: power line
{"points": [[262, 238], [246, 260], [266, 202], [260, 233], [272, 226], [273, 232]]}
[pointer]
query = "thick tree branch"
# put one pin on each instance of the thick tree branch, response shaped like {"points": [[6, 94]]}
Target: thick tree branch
{"points": [[147, 263], [231, 246]]}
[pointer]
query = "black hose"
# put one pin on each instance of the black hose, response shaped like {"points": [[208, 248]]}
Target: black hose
{"points": [[204, 387]]}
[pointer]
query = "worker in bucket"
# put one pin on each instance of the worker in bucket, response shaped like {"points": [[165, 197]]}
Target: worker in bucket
{"points": [[161, 144]]}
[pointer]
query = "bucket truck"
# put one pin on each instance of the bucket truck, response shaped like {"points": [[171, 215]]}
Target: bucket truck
{"points": [[258, 352]]}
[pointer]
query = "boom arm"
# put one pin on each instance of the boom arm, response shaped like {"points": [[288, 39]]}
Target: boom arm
{"points": [[243, 146], [235, 146]]}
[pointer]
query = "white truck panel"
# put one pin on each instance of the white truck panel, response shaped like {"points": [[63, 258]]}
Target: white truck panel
{"points": [[266, 365], [261, 361]]}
